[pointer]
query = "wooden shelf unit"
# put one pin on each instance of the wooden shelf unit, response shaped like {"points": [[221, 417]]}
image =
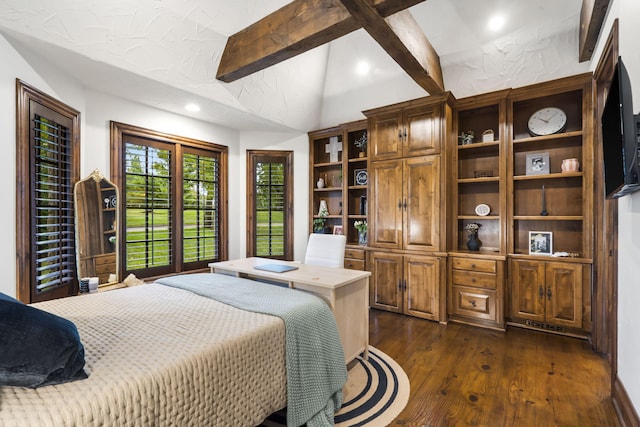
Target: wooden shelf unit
{"points": [[343, 196]]}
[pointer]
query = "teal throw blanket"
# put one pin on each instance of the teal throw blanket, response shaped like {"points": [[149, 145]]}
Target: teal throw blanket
{"points": [[316, 370]]}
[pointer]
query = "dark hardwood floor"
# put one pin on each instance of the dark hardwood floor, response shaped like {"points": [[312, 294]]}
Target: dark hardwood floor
{"points": [[466, 376]]}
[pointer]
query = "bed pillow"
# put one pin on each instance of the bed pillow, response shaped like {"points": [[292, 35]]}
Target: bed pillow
{"points": [[37, 348]]}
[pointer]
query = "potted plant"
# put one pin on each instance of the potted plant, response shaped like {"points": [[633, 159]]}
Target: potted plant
{"points": [[466, 138], [319, 223]]}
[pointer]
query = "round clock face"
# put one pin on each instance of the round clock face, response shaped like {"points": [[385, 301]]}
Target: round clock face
{"points": [[547, 121]]}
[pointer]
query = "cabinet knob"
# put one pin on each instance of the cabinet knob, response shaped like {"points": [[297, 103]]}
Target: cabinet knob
{"points": [[473, 303], [473, 280], [473, 266], [540, 291], [549, 294]]}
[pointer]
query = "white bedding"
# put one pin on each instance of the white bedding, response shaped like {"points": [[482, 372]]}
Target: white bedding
{"points": [[159, 356]]}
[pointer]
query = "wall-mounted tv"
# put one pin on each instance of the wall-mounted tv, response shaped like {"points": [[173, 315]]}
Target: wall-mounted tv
{"points": [[620, 134]]}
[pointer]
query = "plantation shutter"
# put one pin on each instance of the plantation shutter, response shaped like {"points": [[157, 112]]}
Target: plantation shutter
{"points": [[52, 208], [148, 200], [201, 211], [270, 204], [270, 208]]}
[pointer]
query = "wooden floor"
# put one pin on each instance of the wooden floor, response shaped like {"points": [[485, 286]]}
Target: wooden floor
{"points": [[462, 375]]}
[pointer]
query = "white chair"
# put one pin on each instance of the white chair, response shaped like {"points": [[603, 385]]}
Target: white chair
{"points": [[326, 250]]}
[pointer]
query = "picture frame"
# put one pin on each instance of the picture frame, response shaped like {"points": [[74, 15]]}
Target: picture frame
{"points": [[540, 243], [537, 164], [337, 229], [360, 177]]}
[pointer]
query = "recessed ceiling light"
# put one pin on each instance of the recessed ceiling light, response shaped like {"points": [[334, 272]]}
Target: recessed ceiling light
{"points": [[496, 22], [192, 107], [363, 68]]}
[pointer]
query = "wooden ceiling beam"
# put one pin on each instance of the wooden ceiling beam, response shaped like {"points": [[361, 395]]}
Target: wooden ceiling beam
{"points": [[402, 38], [293, 29], [592, 17]]}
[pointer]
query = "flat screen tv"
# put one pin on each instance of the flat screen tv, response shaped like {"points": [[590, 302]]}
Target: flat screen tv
{"points": [[620, 137]]}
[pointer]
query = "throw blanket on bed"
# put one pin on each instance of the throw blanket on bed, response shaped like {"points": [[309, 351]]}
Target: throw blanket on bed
{"points": [[316, 371]]}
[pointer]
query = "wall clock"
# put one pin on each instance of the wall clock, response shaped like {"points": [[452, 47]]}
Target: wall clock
{"points": [[360, 177], [547, 121]]}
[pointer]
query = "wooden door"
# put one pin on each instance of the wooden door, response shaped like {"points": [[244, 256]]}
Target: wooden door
{"points": [[564, 294], [386, 281], [420, 131], [528, 290], [421, 203], [385, 136], [385, 214], [422, 284]]}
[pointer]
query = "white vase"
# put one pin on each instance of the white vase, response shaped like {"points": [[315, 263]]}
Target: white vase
{"points": [[323, 207], [320, 183]]}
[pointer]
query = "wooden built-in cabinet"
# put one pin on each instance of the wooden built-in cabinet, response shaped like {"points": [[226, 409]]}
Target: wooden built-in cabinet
{"points": [[409, 284], [567, 212], [407, 200], [407, 193], [549, 293], [405, 131], [425, 186], [343, 193]]}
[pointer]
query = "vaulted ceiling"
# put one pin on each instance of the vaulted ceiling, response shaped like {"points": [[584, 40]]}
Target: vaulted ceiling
{"points": [[166, 53]]}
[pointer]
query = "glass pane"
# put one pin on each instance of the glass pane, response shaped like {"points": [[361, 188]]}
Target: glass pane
{"points": [[147, 197], [270, 206]]}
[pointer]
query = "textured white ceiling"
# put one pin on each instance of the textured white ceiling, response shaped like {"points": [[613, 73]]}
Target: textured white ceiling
{"points": [[165, 53]]}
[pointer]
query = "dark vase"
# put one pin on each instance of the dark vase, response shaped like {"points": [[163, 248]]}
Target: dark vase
{"points": [[473, 243]]}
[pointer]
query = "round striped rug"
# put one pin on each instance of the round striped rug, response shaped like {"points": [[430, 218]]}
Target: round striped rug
{"points": [[377, 390]]}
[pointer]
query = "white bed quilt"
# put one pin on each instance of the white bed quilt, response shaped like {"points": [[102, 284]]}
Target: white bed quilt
{"points": [[160, 356]]}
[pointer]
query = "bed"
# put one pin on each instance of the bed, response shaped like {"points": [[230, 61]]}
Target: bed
{"points": [[171, 354]]}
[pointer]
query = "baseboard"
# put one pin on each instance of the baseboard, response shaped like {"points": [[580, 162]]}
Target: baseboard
{"points": [[627, 414]]}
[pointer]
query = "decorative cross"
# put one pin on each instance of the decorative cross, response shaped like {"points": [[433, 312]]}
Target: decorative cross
{"points": [[332, 148]]}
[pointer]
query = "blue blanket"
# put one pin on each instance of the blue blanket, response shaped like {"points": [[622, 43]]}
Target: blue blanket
{"points": [[316, 370]]}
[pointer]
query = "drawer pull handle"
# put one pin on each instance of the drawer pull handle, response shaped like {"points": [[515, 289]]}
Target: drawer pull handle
{"points": [[473, 280], [540, 292], [473, 266], [473, 303]]}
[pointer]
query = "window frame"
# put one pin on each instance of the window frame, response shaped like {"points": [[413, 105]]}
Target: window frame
{"points": [[254, 157], [118, 133], [25, 258]]}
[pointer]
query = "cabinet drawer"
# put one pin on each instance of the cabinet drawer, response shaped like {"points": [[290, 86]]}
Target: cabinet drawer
{"points": [[473, 279], [354, 253], [476, 303], [354, 264], [485, 265]]}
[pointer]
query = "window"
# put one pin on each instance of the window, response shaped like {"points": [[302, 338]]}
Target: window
{"points": [[270, 204], [173, 189], [48, 166]]}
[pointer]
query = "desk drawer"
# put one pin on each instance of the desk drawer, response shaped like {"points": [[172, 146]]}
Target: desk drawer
{"points": [[475, 303], [354, 253], [354, 264], [472, 264], [473, 279]]}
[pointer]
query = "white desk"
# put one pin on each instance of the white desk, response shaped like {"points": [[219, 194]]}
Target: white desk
{"points": [[346, 292]]}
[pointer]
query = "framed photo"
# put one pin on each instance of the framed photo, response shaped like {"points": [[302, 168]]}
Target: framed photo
{"points": [[540, 243], [360, 177], [537, 163], [337, 229]]}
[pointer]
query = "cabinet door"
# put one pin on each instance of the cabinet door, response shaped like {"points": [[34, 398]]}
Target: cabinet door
{"points": [[528, 293], [421, 134], [385, 216], [385, 136], [422, 285], [564, 294], [421, 203], [386, 281]]}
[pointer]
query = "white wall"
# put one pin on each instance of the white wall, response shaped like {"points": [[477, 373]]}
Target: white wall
{"points": [[628, 14], [97, 109]]}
